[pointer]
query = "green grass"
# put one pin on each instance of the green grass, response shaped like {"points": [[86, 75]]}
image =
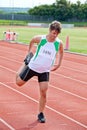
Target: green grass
{"points": [[77, 36], [77, 39], [25, 22], [13, 22]]}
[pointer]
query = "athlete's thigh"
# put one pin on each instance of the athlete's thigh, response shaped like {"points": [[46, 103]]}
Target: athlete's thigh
{"points": [[20, 69], [42, 77], [25, 74], [43, 80], [43, 86]]}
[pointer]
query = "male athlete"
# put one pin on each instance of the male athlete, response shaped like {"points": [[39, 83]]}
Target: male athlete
{"points": [[48, 57]]}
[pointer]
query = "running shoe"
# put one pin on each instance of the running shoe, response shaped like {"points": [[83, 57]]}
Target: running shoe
{"points": [[41, 118]]}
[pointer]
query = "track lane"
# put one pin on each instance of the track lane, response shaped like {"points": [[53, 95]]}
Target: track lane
{"points": [[76, 57], [79, 75], [26, 87], [78, 86], [66, 63], [55, 115], [4, 125], [60, 107]]}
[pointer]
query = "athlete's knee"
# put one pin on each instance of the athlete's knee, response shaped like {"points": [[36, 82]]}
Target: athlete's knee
{"points": [[19, 81], [43, 93], [43, 97], [20, 84]]}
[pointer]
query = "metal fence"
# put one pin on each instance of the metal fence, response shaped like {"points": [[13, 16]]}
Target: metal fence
{"points": [[33, 18], [25, 17]]}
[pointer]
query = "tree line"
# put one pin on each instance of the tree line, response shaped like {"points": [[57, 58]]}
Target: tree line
{"points": [[62, 10]]}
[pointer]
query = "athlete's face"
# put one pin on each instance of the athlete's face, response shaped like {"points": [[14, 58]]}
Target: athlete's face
{"points": [[53, 34]]}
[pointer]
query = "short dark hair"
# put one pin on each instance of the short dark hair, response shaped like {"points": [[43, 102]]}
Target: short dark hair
{"points": [[56, 25]]}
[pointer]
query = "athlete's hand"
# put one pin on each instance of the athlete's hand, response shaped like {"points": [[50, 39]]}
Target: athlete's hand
{"points": [[55, 67]]}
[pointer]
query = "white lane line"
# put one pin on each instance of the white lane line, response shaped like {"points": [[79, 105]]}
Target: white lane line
{"points": [[63, 124], [53, 73], [52, 86], [61, 66], [65, 91], [84, 72], [74, 62], [70, 110], [13, 113], [69, 118], [10, 59], [69, 92], [12, 102], [9, 82], [18, 92], [26, 53], [83, 82], [12, 53], [7, 69], [77, 80], [6, 124]]}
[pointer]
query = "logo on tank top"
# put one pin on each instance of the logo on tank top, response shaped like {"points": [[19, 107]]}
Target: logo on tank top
{"points": [[46, 52]]}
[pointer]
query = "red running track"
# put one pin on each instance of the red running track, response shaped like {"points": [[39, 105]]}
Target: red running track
{"points": [[66, 107]]}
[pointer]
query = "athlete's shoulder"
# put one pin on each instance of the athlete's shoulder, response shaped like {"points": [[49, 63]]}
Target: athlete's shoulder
{"points": [[37, 38], [43, 37], [57, 39]]}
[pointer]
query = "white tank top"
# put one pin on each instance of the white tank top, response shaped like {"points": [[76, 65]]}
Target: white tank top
{"points": [[45, 54]]}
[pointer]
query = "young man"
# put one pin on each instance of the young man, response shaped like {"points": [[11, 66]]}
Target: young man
{"points": [[47, 57]]}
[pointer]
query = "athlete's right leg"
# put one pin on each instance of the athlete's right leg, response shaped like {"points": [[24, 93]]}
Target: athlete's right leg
{"points": [[21, 76], [19, 81]]}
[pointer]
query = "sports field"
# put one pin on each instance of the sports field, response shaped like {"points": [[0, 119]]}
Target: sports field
{"points": [[66, 107], [67, 94], [77, 36]]}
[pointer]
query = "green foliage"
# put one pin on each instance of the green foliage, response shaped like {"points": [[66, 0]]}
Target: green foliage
{"points": [[42, 10], [62, 10]]}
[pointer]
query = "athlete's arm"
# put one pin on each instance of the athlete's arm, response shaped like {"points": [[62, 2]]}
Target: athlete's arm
{"points": [[59, 57], [34, 40], [31, 49]]}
